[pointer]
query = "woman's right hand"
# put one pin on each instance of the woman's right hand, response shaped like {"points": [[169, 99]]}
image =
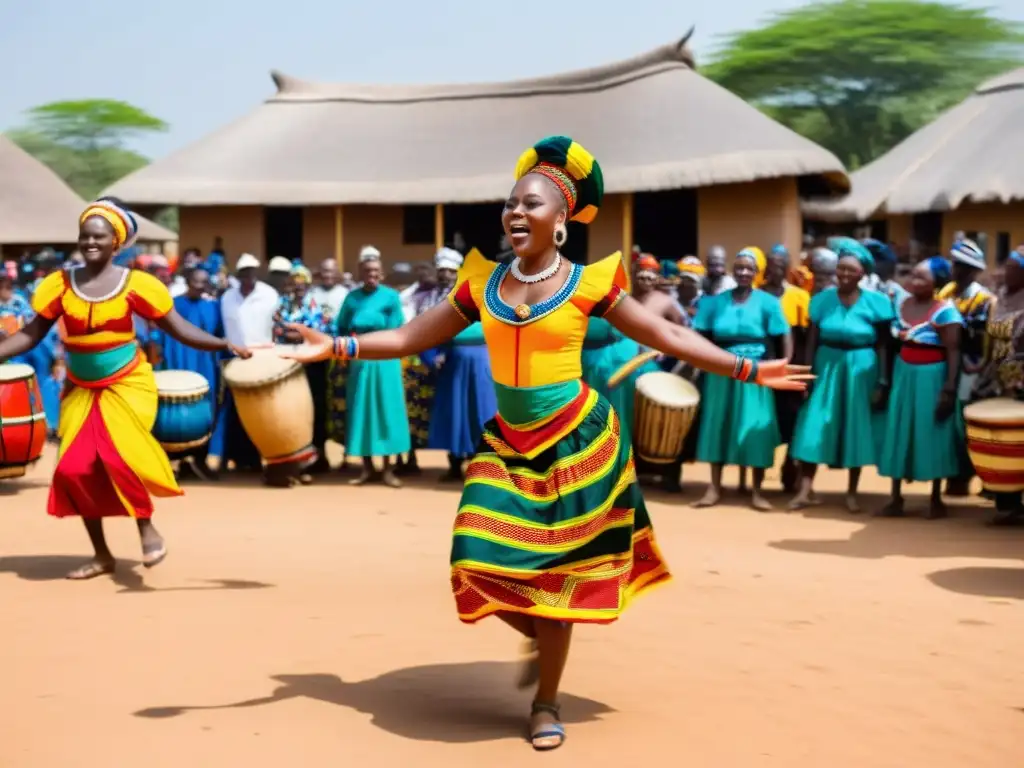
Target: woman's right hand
{"points": [[315, 346], [780, 374]]}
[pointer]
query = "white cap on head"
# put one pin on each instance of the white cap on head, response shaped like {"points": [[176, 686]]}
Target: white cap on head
{"points": [[279, 264], [448, 258], [967, 252], [247, 261], [368, 253]]}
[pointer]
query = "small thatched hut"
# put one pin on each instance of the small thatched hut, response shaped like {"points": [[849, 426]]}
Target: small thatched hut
{"points": [[964, 172]]}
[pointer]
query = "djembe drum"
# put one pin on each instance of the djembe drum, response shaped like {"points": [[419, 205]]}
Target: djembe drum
{"points": [[22, 420], [666, 406], [184, 417], [995, 443], [275, 406]]}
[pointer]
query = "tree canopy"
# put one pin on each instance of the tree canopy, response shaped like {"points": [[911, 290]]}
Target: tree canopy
{"points": [[859, 76], [86, 142]]}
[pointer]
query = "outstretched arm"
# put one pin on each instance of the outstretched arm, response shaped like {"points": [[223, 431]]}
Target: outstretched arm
{"points": [[180, 329], [21, 342], [634, 320], [433, 328]]}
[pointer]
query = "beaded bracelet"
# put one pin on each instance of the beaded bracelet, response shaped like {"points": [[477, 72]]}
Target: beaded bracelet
{"points": [[745, 369], [346, 347]]}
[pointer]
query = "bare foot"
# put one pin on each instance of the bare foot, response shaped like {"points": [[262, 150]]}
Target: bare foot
{"points": [[546, 730], [154, 550], [364, 477], [852, 504], [759, 502], [800, 501], [390, 480], [710, 498], [893, 509], [937, 510], [92, 569]]}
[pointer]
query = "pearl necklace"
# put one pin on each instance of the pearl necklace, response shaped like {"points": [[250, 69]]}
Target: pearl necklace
{"points": [[544, 274]]}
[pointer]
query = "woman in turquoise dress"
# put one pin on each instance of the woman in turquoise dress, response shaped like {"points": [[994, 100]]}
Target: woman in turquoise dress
{"points": [[376, 422], [737, 423], [924, 430], [605, 350], [841, 423]]}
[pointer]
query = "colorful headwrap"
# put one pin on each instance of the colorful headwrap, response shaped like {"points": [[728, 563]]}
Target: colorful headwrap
{"points": [[941, 269], [120, 219], [847, 246], [572, 169], [779, 250], [647, 263], [691, 268], [967, 252], [301, 273], [879, 250], [757, 256], [1017, 256], [669, 269]]}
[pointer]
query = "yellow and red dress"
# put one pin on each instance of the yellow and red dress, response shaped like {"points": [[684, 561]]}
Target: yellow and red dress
{"points": [[109, 463], [551, 522]]}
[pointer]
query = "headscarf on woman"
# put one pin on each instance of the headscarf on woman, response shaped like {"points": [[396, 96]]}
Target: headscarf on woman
{"points": [[756, 255]]}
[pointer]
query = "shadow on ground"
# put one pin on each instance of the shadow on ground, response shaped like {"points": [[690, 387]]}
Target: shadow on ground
{"points": [[453, 703], [56, 567], [982, 581]]}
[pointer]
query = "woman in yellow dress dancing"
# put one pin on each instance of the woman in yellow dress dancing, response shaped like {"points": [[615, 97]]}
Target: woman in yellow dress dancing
{"points": [[109, 464], [551, 529]]}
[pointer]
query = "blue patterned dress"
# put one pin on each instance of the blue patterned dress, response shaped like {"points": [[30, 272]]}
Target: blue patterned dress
{"points": [[916, 446]]}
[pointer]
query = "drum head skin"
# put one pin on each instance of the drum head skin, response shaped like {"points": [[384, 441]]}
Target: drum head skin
{"points": [[1000, 411], [15, 372], [668, 389], [182, 383], [262, 368]]}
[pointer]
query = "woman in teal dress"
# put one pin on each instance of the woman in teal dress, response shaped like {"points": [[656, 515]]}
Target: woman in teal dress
{"points": [[376, 423], [840, 424], [737, 423], [605, 350], [924, 430]]}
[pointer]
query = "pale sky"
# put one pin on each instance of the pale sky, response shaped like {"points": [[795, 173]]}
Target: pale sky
{"points": [[199, 64]]}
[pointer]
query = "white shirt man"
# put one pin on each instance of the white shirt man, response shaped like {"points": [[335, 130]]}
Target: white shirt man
{"points": [[331, 294], [248, 309]]}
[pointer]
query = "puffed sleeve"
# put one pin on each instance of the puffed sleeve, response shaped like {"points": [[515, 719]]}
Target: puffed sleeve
{"points": [[148, 297], [818, 306], [467, 295], [947, 314], [775, 319], [46, 300], [704, 320], [603, 285]]}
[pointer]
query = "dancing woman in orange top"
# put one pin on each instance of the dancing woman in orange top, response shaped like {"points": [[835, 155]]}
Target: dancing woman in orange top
{"points": [[551, 529], [109, 463]]}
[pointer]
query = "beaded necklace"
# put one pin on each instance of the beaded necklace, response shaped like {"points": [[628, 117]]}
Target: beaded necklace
{"points": [[524, 314]]}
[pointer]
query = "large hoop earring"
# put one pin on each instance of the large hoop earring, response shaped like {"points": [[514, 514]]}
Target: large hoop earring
{"points": [[561, 235]]}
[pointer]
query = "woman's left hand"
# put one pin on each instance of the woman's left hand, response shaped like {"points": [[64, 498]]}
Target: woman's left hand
{"points": [[315, 346], [779, 374], [945, 406]]}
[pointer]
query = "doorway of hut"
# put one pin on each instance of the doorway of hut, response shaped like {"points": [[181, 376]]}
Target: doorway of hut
{"points": [[665, 223], [282, 232], [479, 224]]}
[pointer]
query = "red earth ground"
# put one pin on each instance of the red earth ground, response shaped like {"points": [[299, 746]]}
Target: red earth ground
{"points": [[314, 627]]}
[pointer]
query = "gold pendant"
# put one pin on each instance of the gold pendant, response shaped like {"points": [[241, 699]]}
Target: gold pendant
{"points": [[522, 311]]}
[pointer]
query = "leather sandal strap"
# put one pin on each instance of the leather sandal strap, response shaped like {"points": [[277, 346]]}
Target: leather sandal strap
{"points": [[551, 709]]}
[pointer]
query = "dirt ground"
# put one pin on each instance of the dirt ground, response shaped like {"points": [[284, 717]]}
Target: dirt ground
{"points": [[314, 627]]}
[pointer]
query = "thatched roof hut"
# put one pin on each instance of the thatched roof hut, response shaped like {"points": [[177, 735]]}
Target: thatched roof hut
{"points": [[38, 208]]}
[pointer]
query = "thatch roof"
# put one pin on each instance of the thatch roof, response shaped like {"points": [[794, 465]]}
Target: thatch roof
{"points": [[652, 121], [38, 208], [973, 152]]}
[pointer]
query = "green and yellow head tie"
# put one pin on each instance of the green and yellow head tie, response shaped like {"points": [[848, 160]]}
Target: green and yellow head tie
{"points": [[572, 169]]}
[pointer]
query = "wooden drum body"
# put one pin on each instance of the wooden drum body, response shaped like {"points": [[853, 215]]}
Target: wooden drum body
{"points": [[22, 420], [184, 417], [275, 406], [995, 442], [666, 405]]}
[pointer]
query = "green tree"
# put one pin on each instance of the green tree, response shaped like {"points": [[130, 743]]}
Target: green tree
{"points": [[85, 142], [859, 76]]}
